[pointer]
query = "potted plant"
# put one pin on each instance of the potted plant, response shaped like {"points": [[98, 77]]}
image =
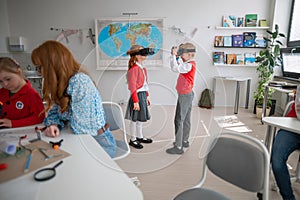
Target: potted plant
{"points": [[267, 59]]}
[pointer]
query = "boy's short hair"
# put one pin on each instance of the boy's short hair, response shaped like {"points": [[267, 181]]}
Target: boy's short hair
{"points": [[188, 46]]}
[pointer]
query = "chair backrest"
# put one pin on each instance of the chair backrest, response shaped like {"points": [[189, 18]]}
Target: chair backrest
{"points": [[115, 119], [288, 108], [241, 160]]}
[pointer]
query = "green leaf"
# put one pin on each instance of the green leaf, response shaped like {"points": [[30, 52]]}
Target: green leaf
{"points": [[281, 35], [279, 42], [274, 35]]}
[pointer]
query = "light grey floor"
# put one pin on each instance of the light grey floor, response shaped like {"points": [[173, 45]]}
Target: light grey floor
{"points": [[163, 176]]}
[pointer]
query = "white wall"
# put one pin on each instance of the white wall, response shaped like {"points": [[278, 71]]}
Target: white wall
{"points": [[33, 18], [4, 30]]}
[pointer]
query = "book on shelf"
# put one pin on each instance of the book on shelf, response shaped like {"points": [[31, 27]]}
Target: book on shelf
{"points": [[219, 58], [237, 40], [260, 41], [239, 59], [240, 22], [249, 39], [227, 41], [251, 20], [263, 23], [249, 58], [219, 41], [229, 21], [231, 58]]}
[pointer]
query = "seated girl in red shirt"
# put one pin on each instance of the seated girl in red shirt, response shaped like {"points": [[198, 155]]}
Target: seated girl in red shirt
{"points": [[20, 104], [285, 143]]}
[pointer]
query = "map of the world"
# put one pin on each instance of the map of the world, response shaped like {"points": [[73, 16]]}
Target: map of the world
{"points": [[114, 39]]}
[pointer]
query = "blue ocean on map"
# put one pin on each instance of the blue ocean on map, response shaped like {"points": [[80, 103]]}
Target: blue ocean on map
{"points": [[116, 39]]}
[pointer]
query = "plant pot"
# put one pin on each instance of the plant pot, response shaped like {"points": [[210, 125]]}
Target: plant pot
{"points": [[259, 112]]}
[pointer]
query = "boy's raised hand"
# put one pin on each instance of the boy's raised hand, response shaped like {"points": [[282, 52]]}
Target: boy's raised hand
{"points": [[174, 51]]}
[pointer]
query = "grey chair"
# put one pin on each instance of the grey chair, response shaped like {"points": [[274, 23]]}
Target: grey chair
{"points": [[237, 158], [115, 119]]}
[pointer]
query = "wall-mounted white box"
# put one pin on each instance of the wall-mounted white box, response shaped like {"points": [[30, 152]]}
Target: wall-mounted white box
{"points": [[17, 44]]}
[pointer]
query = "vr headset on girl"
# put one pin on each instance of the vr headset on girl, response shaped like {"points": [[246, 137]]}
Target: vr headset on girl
{"points": [[144, 52]]}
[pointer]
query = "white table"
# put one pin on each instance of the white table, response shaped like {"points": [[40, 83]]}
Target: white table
{"points": [[89, 173], [286, 123], [237, 90]]}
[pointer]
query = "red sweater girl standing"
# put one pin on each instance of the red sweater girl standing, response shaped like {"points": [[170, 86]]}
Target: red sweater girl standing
{"points": [[137, 108]]}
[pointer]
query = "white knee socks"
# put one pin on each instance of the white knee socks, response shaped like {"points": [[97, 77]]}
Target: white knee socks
{"points": [[136, 129]]}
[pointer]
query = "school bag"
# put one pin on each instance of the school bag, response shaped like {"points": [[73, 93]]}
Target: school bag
{"points": [[206, 99]]}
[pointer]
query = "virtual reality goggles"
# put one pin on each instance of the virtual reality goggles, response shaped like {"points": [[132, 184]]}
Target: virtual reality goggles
{"points": [[144, 52], [182, 50]]}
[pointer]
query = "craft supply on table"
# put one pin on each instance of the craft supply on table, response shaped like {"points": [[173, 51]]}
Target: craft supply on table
{"points": [[46, 173], [37, 160]]}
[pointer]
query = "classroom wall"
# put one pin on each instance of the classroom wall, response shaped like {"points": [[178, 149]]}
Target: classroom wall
{"points": [[33, 19]]}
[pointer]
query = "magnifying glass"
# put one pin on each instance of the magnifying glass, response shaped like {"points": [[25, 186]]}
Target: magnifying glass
{"points": [[46, 173]]}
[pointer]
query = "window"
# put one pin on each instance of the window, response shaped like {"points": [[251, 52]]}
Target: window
{"points": [[294, 25]]}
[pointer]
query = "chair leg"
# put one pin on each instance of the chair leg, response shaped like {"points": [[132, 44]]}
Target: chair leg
{"points": [[259, 196], [296, 177], [274, 187]]}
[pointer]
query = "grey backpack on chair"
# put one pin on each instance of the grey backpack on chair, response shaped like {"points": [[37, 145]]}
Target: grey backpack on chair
{"points": [[206, 99]]}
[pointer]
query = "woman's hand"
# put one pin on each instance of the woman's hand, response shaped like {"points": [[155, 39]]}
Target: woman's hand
{"points": [[5, 123], [52, 131], [136, 106], [148, 101]]}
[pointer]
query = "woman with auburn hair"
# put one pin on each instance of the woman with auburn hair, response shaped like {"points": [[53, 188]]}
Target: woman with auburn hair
{"points": [[71, 96]]}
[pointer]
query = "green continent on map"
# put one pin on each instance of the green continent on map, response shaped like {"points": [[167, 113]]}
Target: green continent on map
{"points": [[113, 28], [137, 30]]}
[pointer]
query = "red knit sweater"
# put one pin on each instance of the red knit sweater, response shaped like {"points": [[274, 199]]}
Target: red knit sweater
{"points": [[135, 78]]}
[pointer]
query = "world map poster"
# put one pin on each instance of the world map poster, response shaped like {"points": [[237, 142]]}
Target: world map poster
{"points": [[114, 37]]}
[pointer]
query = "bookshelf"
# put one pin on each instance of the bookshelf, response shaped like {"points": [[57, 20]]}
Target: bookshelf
{"points": [[227, 49], [243, 28], [239, 47], [235, 65]]}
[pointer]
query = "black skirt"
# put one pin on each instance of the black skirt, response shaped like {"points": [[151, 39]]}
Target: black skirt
{"points": [[141, 115]]}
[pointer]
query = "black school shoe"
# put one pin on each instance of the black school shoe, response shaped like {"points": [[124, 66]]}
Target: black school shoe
{"points": [[144, 140], [136, 144], [175, 150]]}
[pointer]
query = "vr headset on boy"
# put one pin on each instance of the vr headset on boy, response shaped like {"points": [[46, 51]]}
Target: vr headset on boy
{"points": [[144, 52], [182, 50]]}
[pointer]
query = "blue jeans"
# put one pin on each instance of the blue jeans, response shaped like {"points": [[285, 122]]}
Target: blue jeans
{"points": [[285, 143], [107, 142]]}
